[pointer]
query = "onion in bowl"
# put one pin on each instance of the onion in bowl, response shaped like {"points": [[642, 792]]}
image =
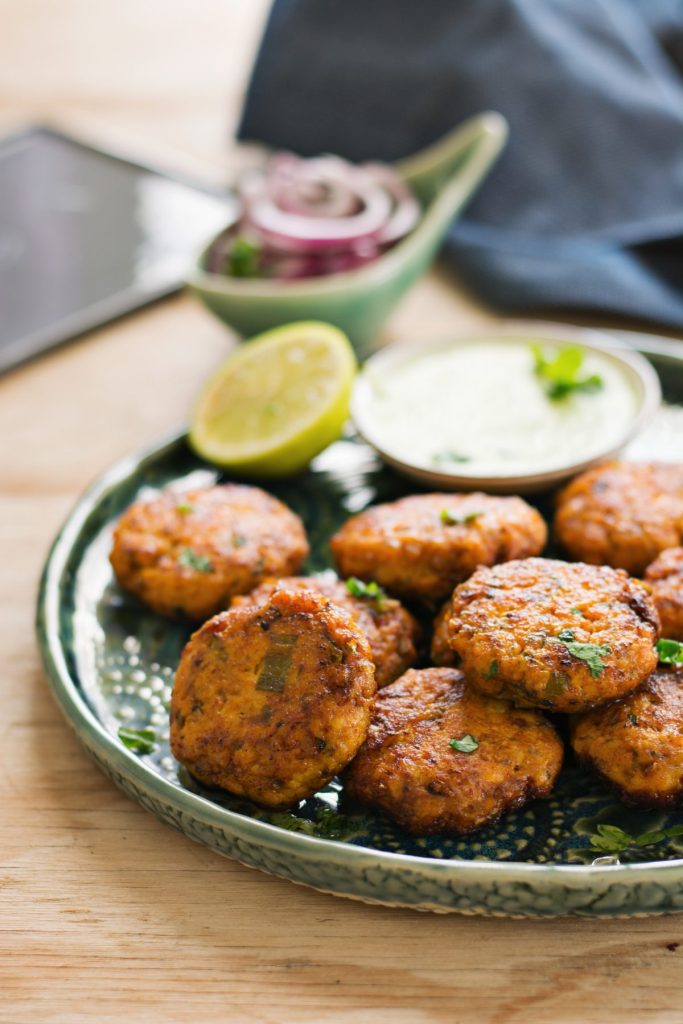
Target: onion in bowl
{"points": [[308, 218]]}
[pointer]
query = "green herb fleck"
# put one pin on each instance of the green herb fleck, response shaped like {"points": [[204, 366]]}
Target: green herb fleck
{"points": [[190, 559], [336, 653], [277, 663], [592, 654], [560, 372], [492, 670], [331, 824], [327, 823], [140, 741], [670, 652], [243, 258], [184, 509], [633, 719], [450, 518], [367, 592], [575, 611], [238, 541], [449, 456], [557, 683], [466, 744], [611, 839]]}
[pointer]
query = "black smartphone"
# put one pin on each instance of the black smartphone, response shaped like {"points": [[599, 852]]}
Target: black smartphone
{"points": [[87, 236]]}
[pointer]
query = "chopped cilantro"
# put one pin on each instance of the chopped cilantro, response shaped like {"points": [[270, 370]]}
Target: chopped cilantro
{"points": [[633, 719], [327, 823], [449, 456], [492, 670], [292, 823], [466, 744], [575, 611], [560, 372], [670, 652], [243, 258], [592, 654], [277, 662], [190, 559], [140, 741], [611, 839], [557, 683], [336, 653], [367, 591], [450, 518], [184, 509]]}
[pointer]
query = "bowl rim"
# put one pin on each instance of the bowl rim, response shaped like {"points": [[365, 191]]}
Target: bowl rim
{"points": [[92, 733], [598, 340], [491, 129]]}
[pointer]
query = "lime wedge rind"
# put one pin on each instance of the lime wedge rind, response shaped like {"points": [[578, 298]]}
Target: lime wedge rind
{"points": [[277, 401]]}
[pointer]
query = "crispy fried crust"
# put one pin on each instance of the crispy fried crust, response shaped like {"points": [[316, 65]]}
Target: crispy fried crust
{"points": [[665, 577], [407, 548], [392, 632], [636, 744], [186, 555], [271, 701], [441, 652], [408, 769], [622, 514], [506, 624]]}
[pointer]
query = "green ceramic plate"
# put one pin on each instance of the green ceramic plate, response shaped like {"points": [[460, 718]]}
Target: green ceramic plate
{"points": [[111, 662]]}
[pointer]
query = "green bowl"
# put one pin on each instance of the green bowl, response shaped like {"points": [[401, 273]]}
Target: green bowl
{"points": [[444, 177]]}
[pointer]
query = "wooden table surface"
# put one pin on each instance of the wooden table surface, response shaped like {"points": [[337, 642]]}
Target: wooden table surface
{"points": [[105, 914]]}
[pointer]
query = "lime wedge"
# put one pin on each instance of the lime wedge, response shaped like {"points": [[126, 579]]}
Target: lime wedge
{"points": [[277, 401]]}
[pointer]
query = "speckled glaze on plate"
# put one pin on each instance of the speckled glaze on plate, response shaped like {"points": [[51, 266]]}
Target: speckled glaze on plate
{"points": [[110, 662]]}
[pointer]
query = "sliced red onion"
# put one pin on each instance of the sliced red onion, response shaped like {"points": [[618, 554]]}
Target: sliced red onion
{"points": [[294, 232], [406, 211], [309, 218], [311, 188], [294, 266]]}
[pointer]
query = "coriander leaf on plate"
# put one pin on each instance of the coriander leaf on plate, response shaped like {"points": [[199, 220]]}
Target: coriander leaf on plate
{"points": [[140, 741]]}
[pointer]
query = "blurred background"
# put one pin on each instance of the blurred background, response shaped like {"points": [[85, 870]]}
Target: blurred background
{"points": [[580, 220], [163, 77], [162, 83]]}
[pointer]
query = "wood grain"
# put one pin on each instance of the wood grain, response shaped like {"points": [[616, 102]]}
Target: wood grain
{"points": [[105, 914]]}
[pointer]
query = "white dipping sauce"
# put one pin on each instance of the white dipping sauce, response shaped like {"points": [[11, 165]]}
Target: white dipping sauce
{"points": [[479, 407]]}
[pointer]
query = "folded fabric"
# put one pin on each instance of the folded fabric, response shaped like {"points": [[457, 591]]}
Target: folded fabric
{"points": [[584, 211]]}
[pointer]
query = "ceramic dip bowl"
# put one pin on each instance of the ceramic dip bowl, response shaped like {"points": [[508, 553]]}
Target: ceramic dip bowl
{"points": [[514, 410]]}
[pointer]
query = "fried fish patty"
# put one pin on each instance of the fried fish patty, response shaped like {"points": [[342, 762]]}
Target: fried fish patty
{"points": [[408, 768], [270, 701], [622, 514], [419, 547], [557, 635], [665, 577], [392, 632], [440, 651], [636, 744], [187, 554]]}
